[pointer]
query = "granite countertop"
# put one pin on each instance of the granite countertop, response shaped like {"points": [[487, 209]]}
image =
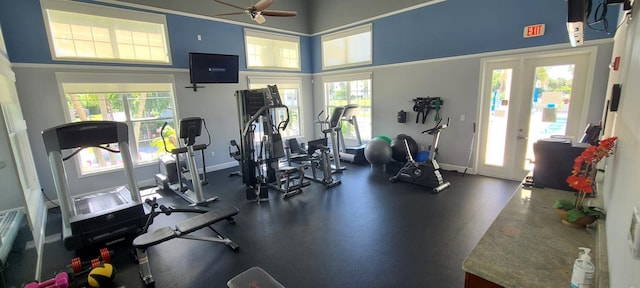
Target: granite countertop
{"points": [[528, 246]]}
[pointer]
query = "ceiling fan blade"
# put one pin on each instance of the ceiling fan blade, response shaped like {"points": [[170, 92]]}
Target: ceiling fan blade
{"points": [[233, 13], [231, 5], [279, 13], [262, 5]]}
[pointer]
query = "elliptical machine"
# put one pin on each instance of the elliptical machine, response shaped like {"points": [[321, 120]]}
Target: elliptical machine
{"points": [[190, 128], [426, 173]]}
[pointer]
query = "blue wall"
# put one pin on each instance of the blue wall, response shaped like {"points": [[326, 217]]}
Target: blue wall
{"points": [[26, 38], [462, 27], [450, 28]]}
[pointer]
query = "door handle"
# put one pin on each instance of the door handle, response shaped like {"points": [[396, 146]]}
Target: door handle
{"points": [[520, 137]]}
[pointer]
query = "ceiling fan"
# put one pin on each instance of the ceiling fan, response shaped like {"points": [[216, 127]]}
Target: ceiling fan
{"points": [[258, 11]]}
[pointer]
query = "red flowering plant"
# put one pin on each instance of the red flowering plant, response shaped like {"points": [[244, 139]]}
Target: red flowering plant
{"points": [[582, 179]]}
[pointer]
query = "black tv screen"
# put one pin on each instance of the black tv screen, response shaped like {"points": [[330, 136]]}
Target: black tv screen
{"points": [[213, 68]]}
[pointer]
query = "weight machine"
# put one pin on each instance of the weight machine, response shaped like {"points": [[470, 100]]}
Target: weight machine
{"points": [[101, 217], [261, 145], [190, 128]]}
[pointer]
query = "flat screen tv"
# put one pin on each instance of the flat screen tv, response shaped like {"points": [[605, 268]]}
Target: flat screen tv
{"points": [[213, 68]]}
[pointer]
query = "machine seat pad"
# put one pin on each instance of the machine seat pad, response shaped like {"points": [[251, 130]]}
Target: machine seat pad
{"points": [[156, 237], [299, 157], [287, 169], [197, 222]]}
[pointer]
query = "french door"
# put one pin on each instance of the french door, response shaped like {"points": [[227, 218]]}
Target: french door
{"points": [[22, 159], [525, 99]]}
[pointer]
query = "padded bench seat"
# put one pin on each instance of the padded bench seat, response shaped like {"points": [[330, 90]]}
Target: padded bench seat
{"points": [[184, 227], [198, 222], [156, 237]]}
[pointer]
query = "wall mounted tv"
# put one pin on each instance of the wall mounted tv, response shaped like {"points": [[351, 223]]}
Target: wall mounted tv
{"points": [[213, 68]]}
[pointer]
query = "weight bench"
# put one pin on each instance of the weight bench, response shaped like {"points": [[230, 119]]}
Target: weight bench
{"points": [[181, 230]]}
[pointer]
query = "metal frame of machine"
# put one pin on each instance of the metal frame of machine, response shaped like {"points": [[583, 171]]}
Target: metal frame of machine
{"points": [[82, 224]]}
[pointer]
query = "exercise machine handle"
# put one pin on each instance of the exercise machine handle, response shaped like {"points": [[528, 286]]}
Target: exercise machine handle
{"points": [[151, 202], [165, 210], [162, 136]]}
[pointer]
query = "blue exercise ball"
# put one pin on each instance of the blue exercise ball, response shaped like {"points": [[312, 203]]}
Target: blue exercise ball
{"points": [[378, 152]]}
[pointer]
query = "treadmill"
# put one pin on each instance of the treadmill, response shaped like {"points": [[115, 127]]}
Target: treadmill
{"points": [[353, 154], [98, 218]]}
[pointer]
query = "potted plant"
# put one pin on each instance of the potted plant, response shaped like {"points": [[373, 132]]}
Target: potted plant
{"points": [[573, 212]]}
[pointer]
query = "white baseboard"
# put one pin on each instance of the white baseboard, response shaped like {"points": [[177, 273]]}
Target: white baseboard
{"points": [[460, 169], [221, 166]]}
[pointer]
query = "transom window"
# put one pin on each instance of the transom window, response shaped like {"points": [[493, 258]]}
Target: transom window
{"points": [[289, 89], [145, 103], [271, 50], [346, 48], [81, 31], [3, 48], [351, 89]]}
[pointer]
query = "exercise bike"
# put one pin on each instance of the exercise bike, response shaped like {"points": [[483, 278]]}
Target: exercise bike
{"points": [[172, 168], [426, 173]]}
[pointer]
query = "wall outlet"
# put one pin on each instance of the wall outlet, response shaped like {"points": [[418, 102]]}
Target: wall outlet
{"points": [[213, 154], [463, 117]]}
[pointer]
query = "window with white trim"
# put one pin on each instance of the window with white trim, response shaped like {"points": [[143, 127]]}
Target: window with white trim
{"points": [[267, 50], [144, 102], [289, 89], [3, 48], [351, 89], [81, 31], [346, 48]]}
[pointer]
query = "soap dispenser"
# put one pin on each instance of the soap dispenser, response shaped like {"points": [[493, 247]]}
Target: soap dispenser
{"points": [[583, 270]]}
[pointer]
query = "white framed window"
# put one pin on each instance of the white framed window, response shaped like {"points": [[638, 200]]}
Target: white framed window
{"points": [[144, 102], [266, 50], [343, 90], [87, 32], [3, 48], [289, 89], [346, 48]]}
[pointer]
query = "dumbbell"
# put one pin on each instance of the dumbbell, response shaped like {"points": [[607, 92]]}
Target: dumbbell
{"points": [[60, 281], [78, 266]]}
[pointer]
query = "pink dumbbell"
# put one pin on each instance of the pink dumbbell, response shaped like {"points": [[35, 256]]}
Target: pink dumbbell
{"points": [[60, 281]]}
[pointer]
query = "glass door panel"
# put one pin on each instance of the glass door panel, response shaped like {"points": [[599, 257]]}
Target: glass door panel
{"points": [[498, 117], [551, 98], [525, 99]]}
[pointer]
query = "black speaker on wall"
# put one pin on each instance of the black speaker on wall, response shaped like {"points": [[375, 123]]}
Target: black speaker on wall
{"points": [[615, 97], [577, 10]]}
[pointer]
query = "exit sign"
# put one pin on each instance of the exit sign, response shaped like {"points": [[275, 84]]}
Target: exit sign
{"points": [[533, 31]]}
